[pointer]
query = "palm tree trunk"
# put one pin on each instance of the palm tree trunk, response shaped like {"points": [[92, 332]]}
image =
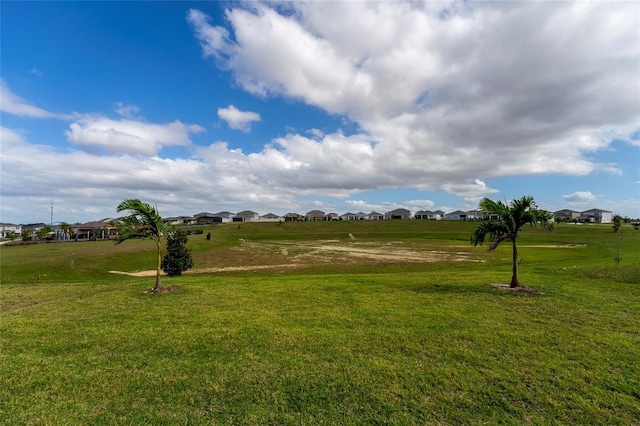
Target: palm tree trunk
{"points": [[158, 285], [515, 282]]}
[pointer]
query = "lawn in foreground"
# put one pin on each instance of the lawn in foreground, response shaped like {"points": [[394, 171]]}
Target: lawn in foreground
{"points": [[419, 347]]}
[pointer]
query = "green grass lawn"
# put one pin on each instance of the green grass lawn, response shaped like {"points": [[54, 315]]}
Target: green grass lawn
{"points": [[326, 343]]}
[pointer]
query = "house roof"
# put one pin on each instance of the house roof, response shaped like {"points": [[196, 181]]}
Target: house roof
{"points": [[223, 214], [247, 213], [596, 211], [93, 225], [203, 214], [565, 211], [401, 210]]}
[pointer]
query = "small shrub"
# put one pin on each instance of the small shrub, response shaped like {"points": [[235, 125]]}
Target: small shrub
{"points": [[178, 258]]}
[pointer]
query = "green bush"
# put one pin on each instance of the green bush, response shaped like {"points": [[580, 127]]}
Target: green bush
{"points": [[178, 258]]}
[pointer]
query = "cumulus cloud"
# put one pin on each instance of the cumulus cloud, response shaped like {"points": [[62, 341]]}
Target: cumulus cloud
{"points": [[238, 120], [580, 197], [443, 92], [34, 175], [472, 192], [445, 95], [125, 136]]}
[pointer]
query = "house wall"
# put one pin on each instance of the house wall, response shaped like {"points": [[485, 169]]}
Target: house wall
{"points": [[7, 228]]}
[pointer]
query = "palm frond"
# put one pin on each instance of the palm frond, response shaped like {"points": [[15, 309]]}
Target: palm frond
{"points": [[144, 221]]}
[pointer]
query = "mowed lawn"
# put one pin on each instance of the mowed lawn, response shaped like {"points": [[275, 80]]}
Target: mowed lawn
{"points": [[325, 342]]}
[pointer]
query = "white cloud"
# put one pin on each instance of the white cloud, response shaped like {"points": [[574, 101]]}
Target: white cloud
{"points": [[443, 92], [124, 136], [472, 192], [10, 137], [127, 111], [238, 120], [214, 40], [445, 96], [14, 104], [580, 197], [37, 72]]}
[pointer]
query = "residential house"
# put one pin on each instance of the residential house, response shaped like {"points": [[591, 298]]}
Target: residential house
{"points": [[270, 217], [316, 215], [246, 216], [92, 231], [456, 215], [398, 214], [374, 216], [429, 215], [332, 216], [224, 217], [353, 216], [566, 215], [179, 220], [7, 229], [596, 216], [293, 217], [473, 215], [204, 218]]}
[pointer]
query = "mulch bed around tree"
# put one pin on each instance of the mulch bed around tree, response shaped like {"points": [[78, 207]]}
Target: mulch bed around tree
{"points": [[162, 290]]}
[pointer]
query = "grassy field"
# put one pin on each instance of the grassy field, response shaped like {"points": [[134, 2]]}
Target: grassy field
{"points": [[296, 323]]}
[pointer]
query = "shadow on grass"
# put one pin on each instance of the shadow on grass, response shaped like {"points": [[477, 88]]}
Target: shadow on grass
{"points": [[446, 288], [489, 288]]}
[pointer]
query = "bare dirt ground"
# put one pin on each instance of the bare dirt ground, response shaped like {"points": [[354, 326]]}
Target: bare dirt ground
{"points": [[288, 255], [250, 256]]}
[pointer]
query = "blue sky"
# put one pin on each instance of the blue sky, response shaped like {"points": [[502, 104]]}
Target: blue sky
{"points": [[339, 106]]}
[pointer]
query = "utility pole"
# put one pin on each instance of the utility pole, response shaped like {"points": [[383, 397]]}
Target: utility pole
{"points": [[51, 214]]}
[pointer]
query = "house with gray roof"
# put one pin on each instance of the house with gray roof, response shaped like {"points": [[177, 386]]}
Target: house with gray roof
{"points": [[398, 214], [246, 216], [316, 215]]}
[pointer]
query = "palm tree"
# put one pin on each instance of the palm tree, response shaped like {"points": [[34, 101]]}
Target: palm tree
{"points": [[144, 221], [65, 229], [505, 222]]}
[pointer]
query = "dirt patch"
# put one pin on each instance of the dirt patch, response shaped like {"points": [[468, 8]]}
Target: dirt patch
{"points": [[521, 289], [151, 273], [285, 255], [162, 290]]}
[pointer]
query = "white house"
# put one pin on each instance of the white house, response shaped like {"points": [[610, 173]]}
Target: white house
{"points": [[224, 217], [460, 215], [353, 216], [246, 216], [271, 217], [429, 215], [316, 215], [374, 216], [398, 214], [596, 216], [8, 228], [456, 215]]}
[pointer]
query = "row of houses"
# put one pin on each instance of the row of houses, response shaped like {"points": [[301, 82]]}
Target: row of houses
{"points": [[106, 228], [98, 230], [588, 216]]}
